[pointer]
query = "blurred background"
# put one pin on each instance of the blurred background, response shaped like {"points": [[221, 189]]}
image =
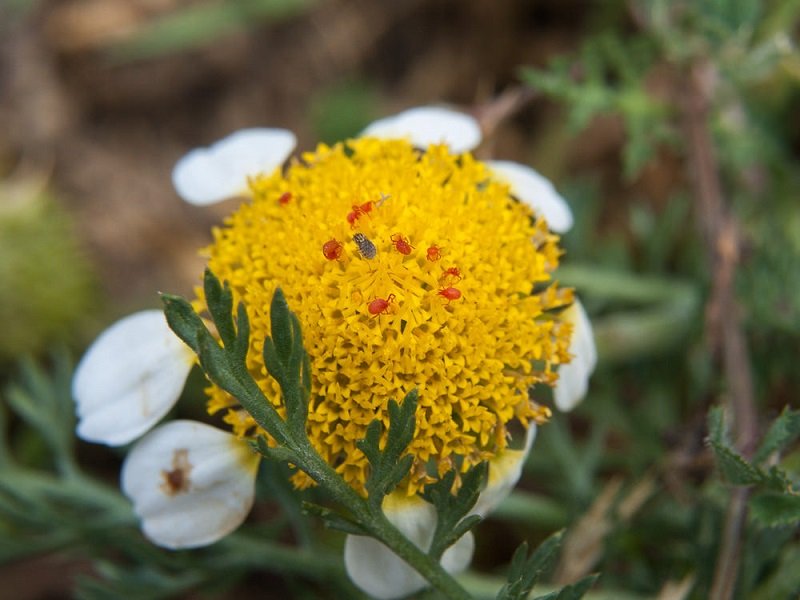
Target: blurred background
{"points": [[670, 127]]}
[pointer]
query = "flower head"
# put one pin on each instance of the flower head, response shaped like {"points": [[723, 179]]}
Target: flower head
{"points": [[410, 265], [472, 331]]}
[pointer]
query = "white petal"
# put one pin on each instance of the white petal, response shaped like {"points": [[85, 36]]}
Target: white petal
{"points": [[208, 175], [536, 191], [573, 377], [427, 125], [129, 378], [191, 484], [504, 472], [381, 573]]}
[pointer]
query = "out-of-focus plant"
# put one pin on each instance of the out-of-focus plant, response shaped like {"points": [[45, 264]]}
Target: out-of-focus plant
{"points": [[201, 24], [712, 84], [47, 284]]}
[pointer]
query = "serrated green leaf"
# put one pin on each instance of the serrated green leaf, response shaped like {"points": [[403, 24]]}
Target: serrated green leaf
{"points": [[397, 473], [388, 466], [334, 519], [183, 320], [734, 468], [402, 424], [716, 425], [524, 573], [451, 509], [219, 300], [273, 363], [774, 508], [738, 471], [370, 444], [783, 431], [281, 327]]}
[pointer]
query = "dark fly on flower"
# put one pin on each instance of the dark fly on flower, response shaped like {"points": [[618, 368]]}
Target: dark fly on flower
{"points": [[365, 246]]}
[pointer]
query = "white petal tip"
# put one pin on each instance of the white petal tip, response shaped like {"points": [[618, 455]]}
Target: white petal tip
{"points": [[129, 378], [379, 572], [573, 377], [191, 484], [536, 191], [208, 175], [428, 125], [504, 473]]}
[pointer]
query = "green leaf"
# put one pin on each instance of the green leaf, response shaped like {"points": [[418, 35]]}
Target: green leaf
{"points": [[276, 453], [734, 468], [774, 508], [388, 465], [219, 300], [783, 431], [738, 471], [334, 519], [287, 361], [716, 425], [242, 342], [576, 591], [451, 509], [202, 24], [44, 401], [525, 572], [183, 320], [281, 327]]}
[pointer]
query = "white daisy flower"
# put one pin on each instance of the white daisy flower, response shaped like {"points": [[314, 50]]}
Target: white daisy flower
{"points": [[191, 484]]}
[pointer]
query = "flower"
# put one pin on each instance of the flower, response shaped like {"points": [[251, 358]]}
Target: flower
{"points": [[410, 265]]}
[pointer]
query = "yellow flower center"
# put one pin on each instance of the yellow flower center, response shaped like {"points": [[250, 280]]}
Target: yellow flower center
{"points": [[407, 269]]}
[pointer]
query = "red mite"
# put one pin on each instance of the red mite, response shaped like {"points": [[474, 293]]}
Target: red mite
{"points": [[285, 198], [358, 211], [401, 244], [434, 253], [451, 274], [380, 305], [450, 293], [332, 249]]}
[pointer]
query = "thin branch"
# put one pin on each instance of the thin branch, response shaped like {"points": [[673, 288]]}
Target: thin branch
{"points": [[492, 114], [723, 319]]}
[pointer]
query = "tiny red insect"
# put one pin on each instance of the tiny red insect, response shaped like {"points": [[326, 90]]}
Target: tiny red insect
{"points": [[358, 211], [332, 249], [380, 305], [451, 275], [285, 198], [401, 244], [450, 293], [434, 253]]}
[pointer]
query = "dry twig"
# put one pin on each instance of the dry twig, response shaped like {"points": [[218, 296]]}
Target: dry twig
{"points": [[723, 320]]}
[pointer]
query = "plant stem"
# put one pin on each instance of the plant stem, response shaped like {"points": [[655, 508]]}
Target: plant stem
{"points": [[723, 318], [379, 526]]}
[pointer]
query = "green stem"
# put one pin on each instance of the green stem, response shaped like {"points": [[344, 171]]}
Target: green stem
{"points": [[379, 526]]}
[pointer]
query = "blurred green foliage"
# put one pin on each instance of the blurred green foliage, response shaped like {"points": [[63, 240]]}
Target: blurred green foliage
{"points": [[644, 419], [47, 285], [201, 24], [643, 433]]}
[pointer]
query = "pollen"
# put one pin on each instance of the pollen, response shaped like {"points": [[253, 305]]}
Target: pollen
{"points": [[474, 356]]}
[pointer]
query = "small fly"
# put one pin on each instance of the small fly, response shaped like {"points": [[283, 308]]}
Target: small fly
{"points": [[365, 246]]}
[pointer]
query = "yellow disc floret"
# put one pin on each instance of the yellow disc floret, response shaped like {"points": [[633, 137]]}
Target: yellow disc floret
{"points": [[407, 269]]}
